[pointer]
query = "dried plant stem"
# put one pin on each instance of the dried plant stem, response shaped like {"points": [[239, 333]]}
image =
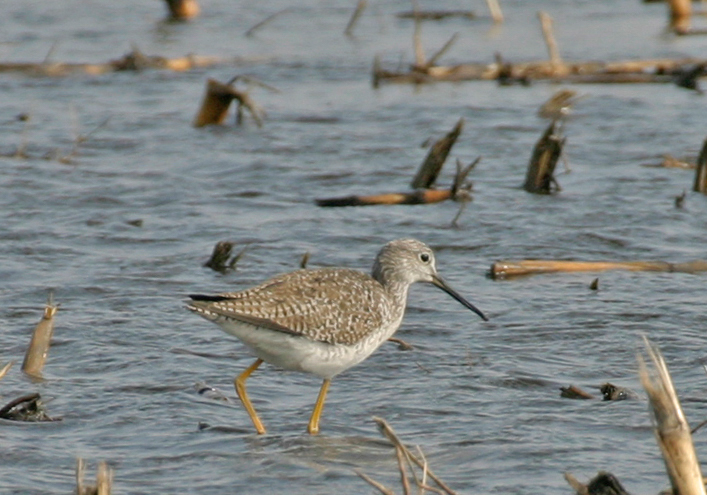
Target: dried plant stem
{"points": [[433, 60], [381, 488], [388, 432], [360, 7], [700, 184], [496, 13], [104, 479], [403, 473], [554, 52], [38, 349], [515, 268], [5, 369], [266, 21], [671, 428]]}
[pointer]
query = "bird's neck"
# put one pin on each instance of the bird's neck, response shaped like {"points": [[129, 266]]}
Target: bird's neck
{"points": [[396, 289]]}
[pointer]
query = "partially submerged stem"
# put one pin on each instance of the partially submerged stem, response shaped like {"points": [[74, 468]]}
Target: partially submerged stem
{"points": [[38, 349], [671, 428]]}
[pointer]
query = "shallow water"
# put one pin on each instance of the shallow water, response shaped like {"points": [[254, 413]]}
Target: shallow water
{"points": [[481, 399]]}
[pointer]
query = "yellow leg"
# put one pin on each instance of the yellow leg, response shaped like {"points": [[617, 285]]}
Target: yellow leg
{"points": [[239, 382], [313, 427]]}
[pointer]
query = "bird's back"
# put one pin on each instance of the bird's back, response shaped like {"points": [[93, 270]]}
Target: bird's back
{"points": [[332, 305]]}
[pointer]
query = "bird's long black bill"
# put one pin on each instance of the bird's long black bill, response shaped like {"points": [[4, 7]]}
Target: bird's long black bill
{"points": [[443, 285]]}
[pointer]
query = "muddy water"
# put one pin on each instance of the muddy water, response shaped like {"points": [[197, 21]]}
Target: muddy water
{"points": [[121, 232]]}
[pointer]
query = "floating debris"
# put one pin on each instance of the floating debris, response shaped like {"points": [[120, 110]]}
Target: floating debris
{"points": [[210, 392], [573, 392], [422, 182], [613, 392], [514, 268], [28, 408], [602, 484]]}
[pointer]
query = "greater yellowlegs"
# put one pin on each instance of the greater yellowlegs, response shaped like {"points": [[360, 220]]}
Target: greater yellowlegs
{"points": [[323, 321]]}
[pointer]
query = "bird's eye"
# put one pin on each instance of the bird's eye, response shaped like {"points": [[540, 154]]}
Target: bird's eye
{"points": [[424, 257]]}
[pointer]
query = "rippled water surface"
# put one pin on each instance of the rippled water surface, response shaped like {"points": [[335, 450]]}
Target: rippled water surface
{"points": [[122, 231]]}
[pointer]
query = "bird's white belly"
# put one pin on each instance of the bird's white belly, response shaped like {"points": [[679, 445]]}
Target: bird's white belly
{"points": [[296, 353]]}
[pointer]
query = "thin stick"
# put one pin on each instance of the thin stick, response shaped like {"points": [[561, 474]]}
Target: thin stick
{"points": [[266, 20], [80, 139], [416, 38], [671, 428], [403, 473], [455, 220], [80, 472], [6, 368], [381, 488], [442, 50], [424, 467], [104, 479], [496, 13], [360, 7], [388, 432], [422, 484], [546, 24]]}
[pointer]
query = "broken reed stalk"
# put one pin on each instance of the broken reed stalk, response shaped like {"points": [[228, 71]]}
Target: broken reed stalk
{"points": [[495, 9], [539, 178], [266, 21], [5, 369], [403, 472], [460, 191], [700, 184], [217, 100], [360, 7], [419, 197], [558, 106], [104, 479], [553, 51], [433, 59], [514, 268], [680, 12], [430, 168], [378, 486], [388, 432], [671, 428], [219, 260], [38, 349], [420, 62], [79, 140], [182, 10]]}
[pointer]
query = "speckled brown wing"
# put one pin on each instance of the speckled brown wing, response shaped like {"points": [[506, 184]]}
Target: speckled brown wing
{"points": [[333, 305]]}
